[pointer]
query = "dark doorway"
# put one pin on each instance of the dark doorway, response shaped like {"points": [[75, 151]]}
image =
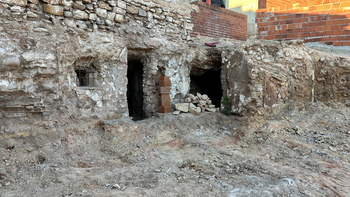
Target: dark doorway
{"points": [[135, 90], [209, 83]]}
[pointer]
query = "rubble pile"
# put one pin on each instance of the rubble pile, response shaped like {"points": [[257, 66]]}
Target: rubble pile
{"points": [[195, 104]]}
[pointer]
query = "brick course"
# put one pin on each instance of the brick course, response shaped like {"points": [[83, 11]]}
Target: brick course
{"points": [[326, 22]]}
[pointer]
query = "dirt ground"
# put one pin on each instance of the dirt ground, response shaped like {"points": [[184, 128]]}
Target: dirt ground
{"points": [[300, 153]]}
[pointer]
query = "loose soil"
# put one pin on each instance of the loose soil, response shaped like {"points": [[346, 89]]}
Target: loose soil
{"points": [[299, 153]]}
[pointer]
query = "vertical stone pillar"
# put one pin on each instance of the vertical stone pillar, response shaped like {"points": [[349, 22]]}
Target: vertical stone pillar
{"points": [[164, 90]]}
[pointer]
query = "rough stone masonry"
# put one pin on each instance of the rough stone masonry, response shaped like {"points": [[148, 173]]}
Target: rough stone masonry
{"points": [[64, 61]]}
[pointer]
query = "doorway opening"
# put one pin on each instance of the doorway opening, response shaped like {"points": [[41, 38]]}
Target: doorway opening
{"points": [[135, 90], [207, 82]]}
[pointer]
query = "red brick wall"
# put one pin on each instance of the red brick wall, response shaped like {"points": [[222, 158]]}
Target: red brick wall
{"points": [[216, 22], [323, 21]]}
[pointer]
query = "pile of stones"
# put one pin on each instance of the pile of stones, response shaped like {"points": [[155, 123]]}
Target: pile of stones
{"points": [[195, 104]]}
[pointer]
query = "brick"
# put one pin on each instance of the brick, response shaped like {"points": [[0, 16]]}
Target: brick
{"points": [[164, 96], [164, 90], [164, 82], [165, 102], [166, 109]]}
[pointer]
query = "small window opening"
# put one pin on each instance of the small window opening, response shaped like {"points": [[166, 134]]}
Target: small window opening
{"points": [[85, 78]]}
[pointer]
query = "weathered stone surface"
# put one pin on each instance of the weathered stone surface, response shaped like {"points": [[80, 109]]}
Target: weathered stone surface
{"points": [[121, 4], [81, 15], [79, 5], [10, 63], [192, 97], [15, 2], [211, 109], [104, 5], [119, 18], [184, 107], [53, 2], [176, 112], [132, 9], [202, 102], [142, 13], [195, 110], [187, 100], [101, 12], [53, 9]]}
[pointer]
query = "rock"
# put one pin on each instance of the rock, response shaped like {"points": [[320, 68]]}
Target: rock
{"points": [[210, 109], [182, 107], [104, 5], [187, 100], [195, 102], [11, 63], [204, 97], [203, 103], [119, 18], [81, 15], [132, 9], [192, 106], [176, 112], [211, 106], [122, 4], [79, 5], [192, 97], [199, 96], [196, 110], [101, 12], [209, 102], [142, 13], [53, 9]]}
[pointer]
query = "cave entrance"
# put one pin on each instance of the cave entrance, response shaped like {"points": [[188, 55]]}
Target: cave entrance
{"points": [[135, 90], [207, 82]]}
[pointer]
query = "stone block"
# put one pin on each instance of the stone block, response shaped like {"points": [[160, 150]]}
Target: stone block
{"points": [[79, 5], [204, 97], [121, 4], [184, 107], [164, 90], [11, 63], [80, 15], [202, 102], [119, 18], [119, 11], [53, 2], [211, 109], [192, 97], [187, 100], [101, 12], [132, 9], [104, 5], [15, 2], [176, 112], [142, 13], [53, 9], [195, 111], [34, 1], [166, 109]]}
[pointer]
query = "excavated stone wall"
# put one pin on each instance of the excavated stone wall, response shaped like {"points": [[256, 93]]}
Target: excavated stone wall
{"points": [[46, 57], [265, 78]]}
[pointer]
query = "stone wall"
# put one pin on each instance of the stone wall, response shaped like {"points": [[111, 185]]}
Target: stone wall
{"points": [[266, 78]]}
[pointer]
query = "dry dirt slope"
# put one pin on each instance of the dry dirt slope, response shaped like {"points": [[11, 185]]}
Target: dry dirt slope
{"points": [[300, 153]]}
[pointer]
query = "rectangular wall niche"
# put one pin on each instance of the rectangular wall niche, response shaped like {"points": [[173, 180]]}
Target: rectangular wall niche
{"points": [[135, 90], [86, 73], [85, 78], [207, 82]]}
